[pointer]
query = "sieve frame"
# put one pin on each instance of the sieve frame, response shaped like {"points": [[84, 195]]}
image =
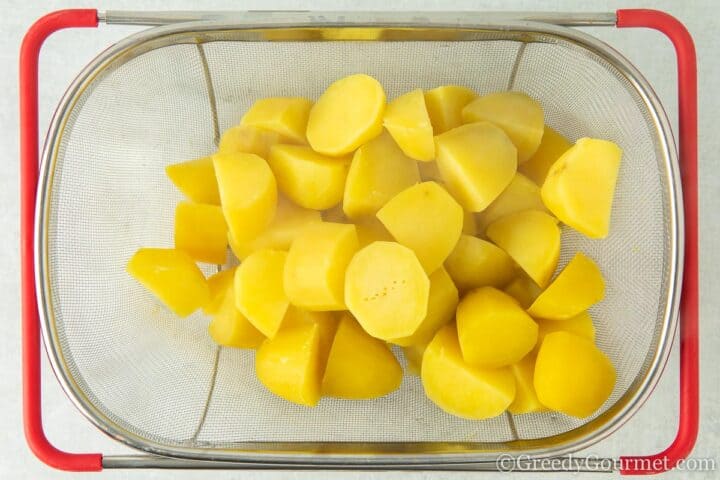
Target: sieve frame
{"points": [[499, 22]]}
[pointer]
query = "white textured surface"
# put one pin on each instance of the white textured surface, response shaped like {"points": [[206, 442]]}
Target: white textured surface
{"points": [[66, 52]]}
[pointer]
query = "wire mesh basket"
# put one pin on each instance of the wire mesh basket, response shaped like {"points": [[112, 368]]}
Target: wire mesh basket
{"points": [[163, 96]]}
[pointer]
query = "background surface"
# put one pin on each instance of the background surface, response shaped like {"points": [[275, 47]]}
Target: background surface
{"points": [[66, 53]]}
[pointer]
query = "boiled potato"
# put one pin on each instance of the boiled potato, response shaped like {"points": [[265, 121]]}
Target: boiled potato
{"points": [[218, 283], [327, 323], [172, 276], [248, 193], [287, 116], [444, 106], [229, 327], [493, 330], [475, 262], [370, 230], [413, 357], [248, 139], [359, 366], [259, 291], [348, 114], [196, 180], [314, 276], [407, 120], [580, 186], [426, 219], [201, 232], [379, 170], [307, 178], [551, 147], [526, 400], [476, 162], [520, 194], [578, 286], [516, 113], [572, 375], [442, 302], [580, 325], [524, 290], [289, 364], [532, 239], [387, 290], [462, 389]]}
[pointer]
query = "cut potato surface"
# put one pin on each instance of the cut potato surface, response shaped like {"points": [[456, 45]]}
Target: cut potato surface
{"points": [[426, 219], [348, 114], [259, 291], [230, 328], [580, 186], [327, 323], [551, 147], [172, 276], [580, 325], [287, 116], [520, 194], [196, 180], [532, 239], [218, 283], [476, 162], [248, 139], [516, 113], [387, 290], [407, 120], [526, 400], [475, 262], [201, 232], [459, 388], [444, 106]]}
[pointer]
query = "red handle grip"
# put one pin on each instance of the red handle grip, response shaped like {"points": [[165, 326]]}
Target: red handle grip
{"points": [[689, 380], [31, 345]]}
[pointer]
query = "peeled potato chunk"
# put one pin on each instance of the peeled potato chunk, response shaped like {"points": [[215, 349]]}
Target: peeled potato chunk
{"points": [[259, 292], [578, 286], [551, 147], [201, 232], [387, 290], [379, 170], [327, 323], [248, 139], [476, 162], [459, 388], [314, 276], [520, 194], [444, 106], [532, 239], [196, 180], [348, 114], [359, 366], [289, 221], [572, 375], [248, 193], [580, 325], [289, 364], [516, 113], [218, 284], [493, 330], [287, 116], [369, 230], [172, 276], [524, 290], [229, 327], [426, 219], [407, 120], [475, 262], [526, 400], [307, 178], [442, 302], [580, 186]]}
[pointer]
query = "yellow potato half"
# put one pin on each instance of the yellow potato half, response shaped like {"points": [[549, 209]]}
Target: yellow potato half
{"points": [[407, 120], [526, 400], [201, 232], [551, 147], [520, 194], [475, 262], [229, 327], [287, 116], [196, 180], [218, 284], [523, 289], [248, 139], [444, 105]]}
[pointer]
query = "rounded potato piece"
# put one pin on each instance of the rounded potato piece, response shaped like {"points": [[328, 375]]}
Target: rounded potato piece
{"points": [[551, 147], [287, 116], [532, 239], [580, 325], [359, 366], [307, 178], [229, 327], [289, 364], [516, 113], [475, 262], [578, 286], [493, 330], [247, 139], [259, 292], [407, 120], [580, 186], [314, 276], [196, 180], [442, 302], [348, 114], [572, 375], [201, 232], [327, 323], [387, 290], [248, 193], [476, 162], [218, 284], [520, 194], [172, 276], [444, 106], [459, 388], [426, 219], [526, 400], [523, 289], [379, 170]]}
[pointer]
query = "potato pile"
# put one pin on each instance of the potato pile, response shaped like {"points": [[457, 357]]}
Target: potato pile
{"points": [[431, 222]]}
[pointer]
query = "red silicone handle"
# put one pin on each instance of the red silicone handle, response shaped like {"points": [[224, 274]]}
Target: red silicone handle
{"points": [[31, 345], [689, 380]]}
